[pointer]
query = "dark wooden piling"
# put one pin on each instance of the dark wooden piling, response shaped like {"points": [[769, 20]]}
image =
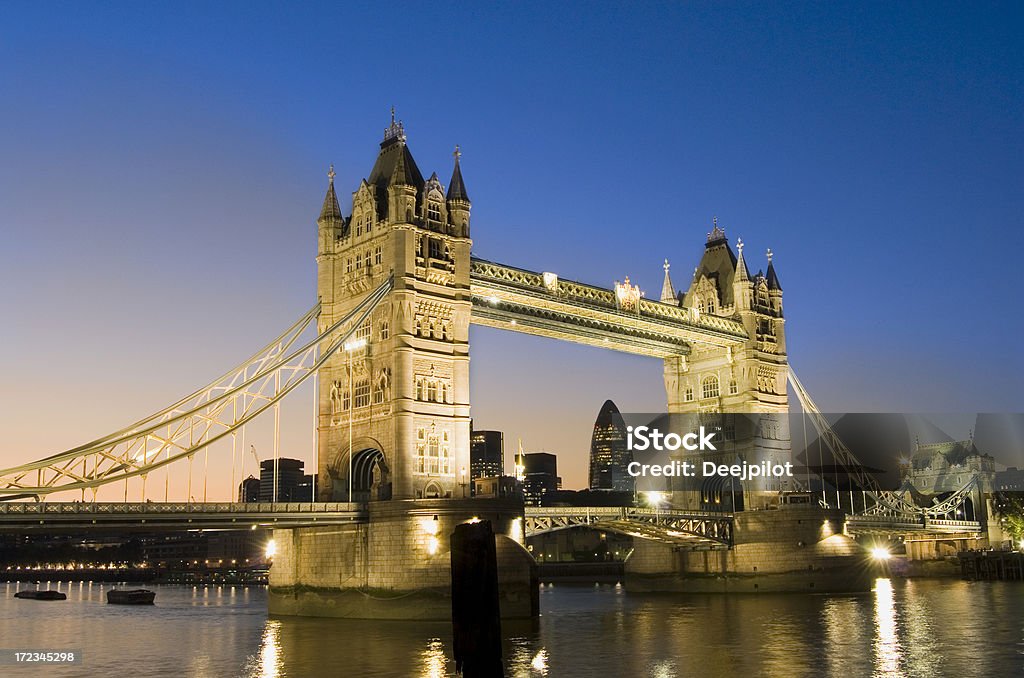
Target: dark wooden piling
{"points": [[476, 618]]}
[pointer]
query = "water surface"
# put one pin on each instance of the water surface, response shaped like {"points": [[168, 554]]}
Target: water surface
{"points": [[903, 628]]}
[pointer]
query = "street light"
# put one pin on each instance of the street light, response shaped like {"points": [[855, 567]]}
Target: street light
{"points": [[351, 347], [462, 480]]}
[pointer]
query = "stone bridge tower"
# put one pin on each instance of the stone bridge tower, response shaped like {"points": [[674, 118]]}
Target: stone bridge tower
{"points": [[403, 398], [719, 386]]}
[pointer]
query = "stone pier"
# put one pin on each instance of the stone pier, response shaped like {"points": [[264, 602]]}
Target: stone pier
{"points": [[398, 564], [790, 549]]}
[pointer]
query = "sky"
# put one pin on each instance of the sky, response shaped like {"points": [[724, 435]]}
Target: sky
{"points": [[162, 166]]}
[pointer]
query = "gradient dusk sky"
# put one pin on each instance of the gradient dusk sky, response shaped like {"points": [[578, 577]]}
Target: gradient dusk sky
{"points": [[162, 165]]}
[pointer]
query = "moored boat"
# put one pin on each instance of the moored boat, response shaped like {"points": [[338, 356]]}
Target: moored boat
{"points": [[41, 595], [133, 597]]}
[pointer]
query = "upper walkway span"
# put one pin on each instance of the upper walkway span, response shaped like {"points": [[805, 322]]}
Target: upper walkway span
{"points": [[543, 304]]}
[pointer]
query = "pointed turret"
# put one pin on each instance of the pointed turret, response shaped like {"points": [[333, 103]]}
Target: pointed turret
{"points": [[773, 278], [742, 290], [668, 290], [330, 213], [331, 224], [456, 187], [741, 265], [458, 199]]}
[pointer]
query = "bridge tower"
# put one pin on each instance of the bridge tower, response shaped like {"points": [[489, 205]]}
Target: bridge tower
{"points": [[746, 380], [403, 398]]}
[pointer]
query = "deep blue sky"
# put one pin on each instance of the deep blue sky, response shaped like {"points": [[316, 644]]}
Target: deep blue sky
{"points": [[161, 167]]}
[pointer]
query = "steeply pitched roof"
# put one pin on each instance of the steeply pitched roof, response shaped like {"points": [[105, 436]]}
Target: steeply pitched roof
{"points": [[393, 153], [741, 265], [668, 290], [456, 187], [331, 211], [773, 279], [718, 264]]}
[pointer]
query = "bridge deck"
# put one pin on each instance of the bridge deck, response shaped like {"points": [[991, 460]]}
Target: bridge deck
{"points": [[882, 524], [536, 303], [692, 529], [50, 516]]}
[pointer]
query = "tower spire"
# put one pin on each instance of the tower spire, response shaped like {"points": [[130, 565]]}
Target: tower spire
{"points": [[773, 278], [668, 290], [330, 213], [741, 265], [456, 187]]}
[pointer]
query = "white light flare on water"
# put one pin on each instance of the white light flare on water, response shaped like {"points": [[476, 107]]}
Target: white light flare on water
{"points": [[888, 653]]}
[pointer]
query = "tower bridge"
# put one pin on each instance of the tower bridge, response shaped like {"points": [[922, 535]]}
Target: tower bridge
{"points": [[398, 289]]}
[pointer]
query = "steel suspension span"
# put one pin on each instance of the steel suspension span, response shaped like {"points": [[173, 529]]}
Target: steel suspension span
{"points": [[887, 503], [199, 419]]}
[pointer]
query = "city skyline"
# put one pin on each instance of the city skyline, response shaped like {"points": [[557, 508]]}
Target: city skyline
{"points": [[152, 243]]}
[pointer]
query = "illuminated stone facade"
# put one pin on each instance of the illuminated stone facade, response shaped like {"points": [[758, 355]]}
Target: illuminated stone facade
{"points": [[409, 385]]}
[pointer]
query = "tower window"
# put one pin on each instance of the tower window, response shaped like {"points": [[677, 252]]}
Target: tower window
{"points": [[689, 394], [363, 331], [435, 248], [348, 265], [369, 222], [385, 330], [433, 211], [367, 259], [362, 393], [733, 387], [709, 387], [378, 255]]}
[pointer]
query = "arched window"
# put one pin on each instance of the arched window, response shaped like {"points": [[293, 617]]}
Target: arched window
{"points": [[431, 391], [433, 211], [711, 306], [709, 387], [385, 330], [733, 387], [689, 394]]}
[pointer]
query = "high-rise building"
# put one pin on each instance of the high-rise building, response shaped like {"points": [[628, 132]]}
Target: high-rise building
{"points": [[249, 490], [290, 480], [486, 455], [540, 476], [609, 455]]}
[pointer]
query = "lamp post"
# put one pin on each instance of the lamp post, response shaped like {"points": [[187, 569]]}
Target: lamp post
{"points": [[462, 480], [351, 347]]}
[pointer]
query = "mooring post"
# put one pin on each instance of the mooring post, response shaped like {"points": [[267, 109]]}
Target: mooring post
{"points": [[476, 619]]}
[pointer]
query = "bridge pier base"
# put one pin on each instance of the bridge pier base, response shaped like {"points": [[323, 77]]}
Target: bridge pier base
{"points": [[398, 564], [791, 549]]}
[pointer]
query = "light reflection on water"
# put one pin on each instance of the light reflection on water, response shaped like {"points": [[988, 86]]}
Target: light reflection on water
{"points": [[902, 628], [887, 643]]}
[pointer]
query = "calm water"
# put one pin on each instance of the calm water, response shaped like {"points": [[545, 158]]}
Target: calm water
{"points": [[903, 628]]}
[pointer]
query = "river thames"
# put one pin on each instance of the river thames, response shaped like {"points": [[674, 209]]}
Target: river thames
{"points": [[902, 628]]}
